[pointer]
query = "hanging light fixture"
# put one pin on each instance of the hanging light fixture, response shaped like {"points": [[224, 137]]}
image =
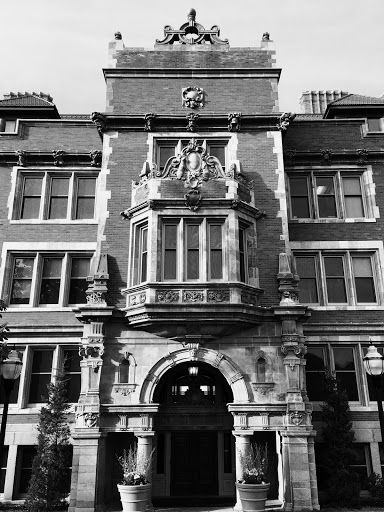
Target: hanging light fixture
{"points": [[193, 371], [373, 361]]}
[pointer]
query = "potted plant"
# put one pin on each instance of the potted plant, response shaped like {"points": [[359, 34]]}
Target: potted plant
{"points": [[253, 486], [135, 488]]}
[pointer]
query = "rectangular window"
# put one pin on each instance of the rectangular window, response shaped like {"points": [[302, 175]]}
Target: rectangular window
{"points": [[374, 124], [40, 376], [56, 196], [78, 282], [72, 369], [243, 254], [306, 269], [344, 364], [192, 251], [167, 149], [140, 254], [361, 463], [299, 198], [200, 253], [325, 196], [41, 279], [338, 195], [3, 467], [315, 372], [25, 456], [170, 251], [337, 278], [338, 361]]}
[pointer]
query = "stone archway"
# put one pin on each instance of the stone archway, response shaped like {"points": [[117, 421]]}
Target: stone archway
{"points": [[228, 369]]}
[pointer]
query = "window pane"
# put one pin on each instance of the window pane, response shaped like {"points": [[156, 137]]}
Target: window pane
{"points": [[314, 373], [10, 125], [30, 208], [38, 388], [354, 207], [42, 361], [345, 371], [215, 237], [59, 186], [299, 198], [124, 371], [334, 266], [315, 359], [307, 285], [327, 206], [72, 368], [32, 186], [334, 271], [216, 265], [374, 125], [170, 265], [22, 281], [298, 186], [362, 267], [166, 152], [85, 208], [351, 186], [86, 186], [58, 208], [72, 360], [193, 236], [364, 283], [218, 152], [79, 284], [324, 186], [50, 282], [170, 245], [360, 463], [25, 457], [170, 232], [3, 467], [193, 264]]}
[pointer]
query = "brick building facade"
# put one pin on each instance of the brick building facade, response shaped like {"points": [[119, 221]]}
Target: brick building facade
{"points": [[165, 238]]}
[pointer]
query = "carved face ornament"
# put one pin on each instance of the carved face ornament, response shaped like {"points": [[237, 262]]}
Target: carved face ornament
{"points": [[193, 97]]}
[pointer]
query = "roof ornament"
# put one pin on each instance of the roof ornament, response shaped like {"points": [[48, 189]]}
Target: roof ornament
{"points": [[192, 33]]}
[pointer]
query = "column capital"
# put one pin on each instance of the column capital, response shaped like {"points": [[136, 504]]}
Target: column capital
{"points": [[150, 433], [242, 433]]}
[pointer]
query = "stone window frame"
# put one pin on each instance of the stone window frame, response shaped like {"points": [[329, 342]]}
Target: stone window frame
{"points": [[204, 222], [47, 174], [372, 247], [140, 238], [371, 212], [38, 251], [348, 274]]}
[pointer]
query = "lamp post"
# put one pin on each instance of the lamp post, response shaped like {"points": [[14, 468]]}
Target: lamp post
{"points": [[374, 365], [10, 370]]}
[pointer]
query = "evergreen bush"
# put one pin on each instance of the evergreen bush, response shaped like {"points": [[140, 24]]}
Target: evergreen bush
{"points": [[48, 486], [343, 486]]}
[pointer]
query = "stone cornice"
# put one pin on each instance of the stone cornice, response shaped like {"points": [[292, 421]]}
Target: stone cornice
{"points": [[192, 73]]}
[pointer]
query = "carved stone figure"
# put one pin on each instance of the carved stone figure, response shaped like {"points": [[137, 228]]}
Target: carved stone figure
{"points": [[192, 97], [362, 156], [95, 158], [21, 155], [100, 121], [192, 122], [326, 156], [118, 36], [58, 157], [284, 121], [234, 119], [265, 36], [192, 33], [149, 119]]}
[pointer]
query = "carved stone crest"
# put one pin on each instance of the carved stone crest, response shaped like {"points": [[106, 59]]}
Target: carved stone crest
{"points": [[192, 97], [193, 199]]}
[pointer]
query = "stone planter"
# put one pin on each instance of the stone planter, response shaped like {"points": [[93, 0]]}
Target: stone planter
{"points": [[134, 498], [253, 496]]}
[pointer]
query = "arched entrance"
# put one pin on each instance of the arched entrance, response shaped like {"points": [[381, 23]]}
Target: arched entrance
{"points": [[195, 445]]}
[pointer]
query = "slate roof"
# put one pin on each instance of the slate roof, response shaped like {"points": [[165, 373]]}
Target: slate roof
{"points": [[27, 99], [356, 99]]}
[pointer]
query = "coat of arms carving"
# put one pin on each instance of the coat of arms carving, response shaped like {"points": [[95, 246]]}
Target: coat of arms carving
{"points": [[193, 97]]}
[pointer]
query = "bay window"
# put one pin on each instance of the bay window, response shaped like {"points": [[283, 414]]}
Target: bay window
{"points": [[192, 249]]}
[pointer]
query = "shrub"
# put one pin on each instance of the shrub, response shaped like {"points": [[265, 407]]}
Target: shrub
{"points": [[376, 488]]}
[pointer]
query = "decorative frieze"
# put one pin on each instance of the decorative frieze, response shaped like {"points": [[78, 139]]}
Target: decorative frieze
{"points": [[87, 417], [193, 296], [167, 296], [218, 296], [124, 388], [137, 299]]}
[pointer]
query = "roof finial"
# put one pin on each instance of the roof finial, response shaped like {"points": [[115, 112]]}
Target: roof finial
{"points": [[191, 16]]}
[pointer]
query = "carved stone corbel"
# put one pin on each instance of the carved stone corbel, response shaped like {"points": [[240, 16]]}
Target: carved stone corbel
{"points": [[362, 156], [326, 157], [284, 121], [149, 120], [95, 158], [100, 122], [234, 121], [21, 157], [58, 157], [192, 122]]}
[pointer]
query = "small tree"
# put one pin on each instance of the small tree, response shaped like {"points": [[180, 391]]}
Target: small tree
{"points": [[342, 482], [48, 485]]}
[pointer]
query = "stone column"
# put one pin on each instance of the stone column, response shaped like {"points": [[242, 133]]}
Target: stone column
{"points": [[87, 484], [312, 470], [243, 447], [144, 451], [298, 491]]}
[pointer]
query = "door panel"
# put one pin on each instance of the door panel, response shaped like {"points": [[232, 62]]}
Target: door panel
{"points": [[194, 464]]}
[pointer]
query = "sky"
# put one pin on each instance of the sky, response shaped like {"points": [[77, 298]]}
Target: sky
{"points": [[60, 46]]}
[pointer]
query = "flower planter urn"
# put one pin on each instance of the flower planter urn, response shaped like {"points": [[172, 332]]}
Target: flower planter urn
{"points": [[134, 498], [253, 496]]}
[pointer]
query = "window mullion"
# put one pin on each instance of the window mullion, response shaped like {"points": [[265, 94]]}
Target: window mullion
{"points": [[65, 276], [323, 280], [313, 197], [45, 194], [181, 252], [36, 280], [349, 278], [340, 204], [71, 197]]}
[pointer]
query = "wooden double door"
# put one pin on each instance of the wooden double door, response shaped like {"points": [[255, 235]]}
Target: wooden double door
{"points": [[194, 463]]}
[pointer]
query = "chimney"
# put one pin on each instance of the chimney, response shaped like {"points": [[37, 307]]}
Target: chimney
{"points": [[316, 102]]}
